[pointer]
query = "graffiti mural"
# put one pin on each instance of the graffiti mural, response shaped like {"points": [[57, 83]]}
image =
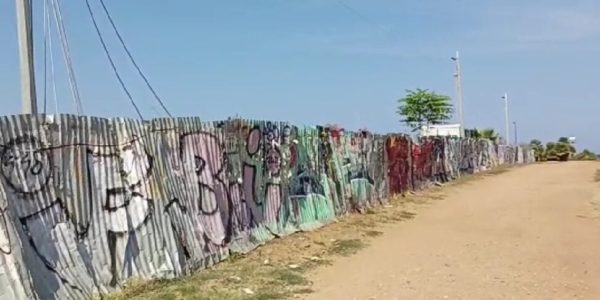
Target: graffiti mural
{"points": [[30, 180], [127, 207], [398, 163], [91, 203]]}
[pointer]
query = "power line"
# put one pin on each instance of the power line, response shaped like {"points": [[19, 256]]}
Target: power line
{"points": [[52, 73], [112, 63], [112, 23], [385, 30], [49, 53], [67, 54], [361, 16]]}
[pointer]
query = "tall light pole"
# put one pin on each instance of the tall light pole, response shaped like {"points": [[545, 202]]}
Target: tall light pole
{"points": [[507, 130], [459, 91], [25, 29]]}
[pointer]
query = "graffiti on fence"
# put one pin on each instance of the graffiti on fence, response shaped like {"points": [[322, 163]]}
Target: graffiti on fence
{"points": [[99, 202]]}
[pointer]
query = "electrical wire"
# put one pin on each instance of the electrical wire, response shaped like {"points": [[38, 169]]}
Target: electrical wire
{"points": [[66, 49], [58, 17], [137, 67], [366, 19], [112, 63], [52, 76], [360, 15]]}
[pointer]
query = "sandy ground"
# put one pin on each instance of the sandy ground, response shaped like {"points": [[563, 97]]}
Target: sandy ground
{"points": [[530, 233]]}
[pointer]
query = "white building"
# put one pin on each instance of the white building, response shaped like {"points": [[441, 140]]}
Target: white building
{"points": [[442, 130]]}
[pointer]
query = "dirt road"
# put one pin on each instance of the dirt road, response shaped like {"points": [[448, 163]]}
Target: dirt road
{"points": [[531, 233]]}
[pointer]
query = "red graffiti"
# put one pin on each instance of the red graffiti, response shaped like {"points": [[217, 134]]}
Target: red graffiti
{"points": [[399, 161]]}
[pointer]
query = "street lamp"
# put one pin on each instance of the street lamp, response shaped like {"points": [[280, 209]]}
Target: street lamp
{"points": [[459, 92], [505, 98]]}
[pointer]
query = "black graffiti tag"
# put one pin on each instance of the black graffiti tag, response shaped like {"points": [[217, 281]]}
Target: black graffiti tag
{"points": [[26, 167]]}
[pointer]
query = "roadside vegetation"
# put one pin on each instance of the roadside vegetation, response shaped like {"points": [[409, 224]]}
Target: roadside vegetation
{"points": [[487, 133], [561, 150]]}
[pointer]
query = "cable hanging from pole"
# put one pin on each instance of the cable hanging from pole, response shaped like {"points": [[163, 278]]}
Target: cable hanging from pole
{"points": [[137, 67], [367, 20], [51, 52], [62, 33], [112, 63], [361, 16]]}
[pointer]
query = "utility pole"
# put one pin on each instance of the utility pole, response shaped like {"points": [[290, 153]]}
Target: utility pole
{"points": [[516, 137], [507, 130], [459, 92], [25, 33]]}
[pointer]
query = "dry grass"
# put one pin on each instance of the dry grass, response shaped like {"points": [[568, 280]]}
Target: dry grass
{"points": [[280, 269], [373, 233], [498, 170], [347, 247]]}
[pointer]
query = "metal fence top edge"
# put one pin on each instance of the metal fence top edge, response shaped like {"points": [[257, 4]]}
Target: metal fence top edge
{"points": [[156, 124]]}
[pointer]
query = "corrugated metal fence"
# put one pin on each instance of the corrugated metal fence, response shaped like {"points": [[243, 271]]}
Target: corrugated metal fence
{"points": [[88, 203]]}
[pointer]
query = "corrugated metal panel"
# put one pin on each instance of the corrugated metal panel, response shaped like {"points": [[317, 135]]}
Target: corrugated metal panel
{"points": [[88, 203]]}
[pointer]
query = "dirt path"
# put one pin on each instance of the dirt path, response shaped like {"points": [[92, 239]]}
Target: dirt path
{"points": [[531, 233]]}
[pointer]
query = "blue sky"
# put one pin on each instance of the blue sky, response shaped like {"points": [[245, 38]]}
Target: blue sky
{"points": [[316, 62]]}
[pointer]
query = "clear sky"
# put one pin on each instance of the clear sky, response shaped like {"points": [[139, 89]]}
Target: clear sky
{"points": [[316, 61]]}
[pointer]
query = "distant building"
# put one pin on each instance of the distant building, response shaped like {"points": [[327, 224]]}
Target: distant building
{"points": [[442, 130]]}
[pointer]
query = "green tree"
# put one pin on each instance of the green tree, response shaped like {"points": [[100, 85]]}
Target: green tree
{"points": [[586, 155], [561, 150], [536, 143], [473, 133], [566, 141], [489, 134], [551, 151], [538, 150], [423, 107]]}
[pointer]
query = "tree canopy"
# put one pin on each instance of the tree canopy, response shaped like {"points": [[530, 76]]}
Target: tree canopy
{"points": [[487, 133], [423, 107], [586, 155]]}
